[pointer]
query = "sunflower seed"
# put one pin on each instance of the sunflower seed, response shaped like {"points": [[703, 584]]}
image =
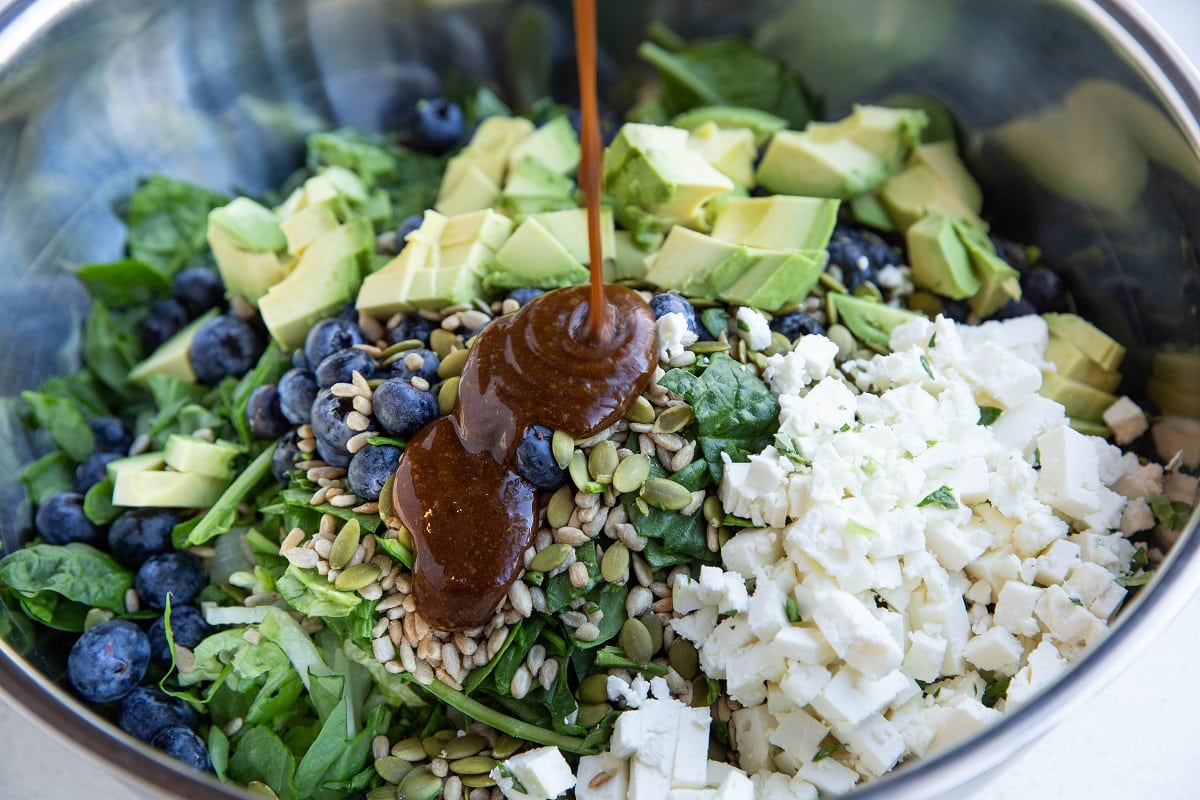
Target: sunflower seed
{"points": [[602, 461], [614, 566], [587, 632], [631, 473], [638, 601], [577, 573], [343, 500], [356, 577], [453, 788], [302, 557], [522, 601], [547, 674], [383, 649], [571, 536], [641, 411], [521, 683]]}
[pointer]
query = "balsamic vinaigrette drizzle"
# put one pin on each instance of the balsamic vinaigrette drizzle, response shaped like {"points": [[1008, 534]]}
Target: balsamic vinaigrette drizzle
{"points": [[573, 360]]}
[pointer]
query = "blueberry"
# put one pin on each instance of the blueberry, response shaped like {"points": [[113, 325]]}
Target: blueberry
{"points": [[421, 363], [334, 455], [1014, 308], [263, 413], [147, 710], [182, 744], [188, 629], [163, 321], [340, 367], [672, 303], [224, 346], [297, 390], [329, 336], [370, 468], [535, 460], [61, 519], [1044, 290], [199, 289], [859, 255], [283, 460], [411, 326], [176, 572], [328, 418], [140, 533], [1015, 255], [92, 470], [437, 125], [407, 226], [111, 434], [957, 310], [524, 294], [797, 324], [108, 661], [402, 409]]}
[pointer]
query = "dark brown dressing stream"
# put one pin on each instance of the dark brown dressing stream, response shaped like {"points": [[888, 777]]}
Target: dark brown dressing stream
{"points": [[573, 360]]}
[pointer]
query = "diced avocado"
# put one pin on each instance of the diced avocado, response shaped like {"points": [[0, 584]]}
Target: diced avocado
{"points": [[533, 257], [890, 133], [776, 279], [493, 143], [171, 359], [868, 210], [1073, 364], [999, 283], [941, 124], [450, 284], [155, 489], [697, 265], [779, 222], [485, 227], [519, 208], [939, 260], [138, 463], [630, 260], [1094, 343], [248, 226], [383, 291], [190, 454], [465, 187], [916, 191], [796, 163], [659, 188], [570, 228], [1080, 400], [245, 273], [761, 123], [1172, 400], [532, 178], [871, 321], [555, 145], [309, 222], [635, 139], [341, 181], [730, 150], [327, 276], [1090, 428], [942, 158]]}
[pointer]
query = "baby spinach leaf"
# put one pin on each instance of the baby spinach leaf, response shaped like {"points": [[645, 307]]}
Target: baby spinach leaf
{"points": [[312, 595], [110, 347], [124, 283], [611, 600], [168, 222], [298, 499], [221, 517], [97, 503], [560, 592], [64, 422], [513, 655], [75, 571], [49, 475], [81, 389], [259, 755], [218, 750], [396, 550]]}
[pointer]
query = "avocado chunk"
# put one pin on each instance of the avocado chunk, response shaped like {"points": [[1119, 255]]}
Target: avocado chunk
{"points": [[530, 177], [570, 228], [797, 163], [1092, 341], [519, 207], [492, 145], [533, 257], [776, 279], [465, 188], [999, 282], [190, 454], [1081, 401], [696, 265], [171, 359], [629, 260], [310, 222], [1072, 363], [249, 226], [940, 262], [889, 133], [871, 321], [165, 489], [1090, 428], [779, 222], [138, 463], [761, 123], [918, 190], [730, 150], [942, 158], [868, 210], [246, 273], [555, 145]]}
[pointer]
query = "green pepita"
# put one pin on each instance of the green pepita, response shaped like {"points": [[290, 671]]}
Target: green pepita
{"points": [[445, 734], [420, 784], [831, 315], [452, 365], [95, 616], [261, 789], [433, 746], [404, 537], [614, 567], [779, 344], [472, 765], [642, 507], [708, 348], [699, 692], [591, 713], [409, 750], [593, 689], [448, 393], [344, 545], [392, 769], [562, 447], [925, 302], [385, 792], [560, 507], [714, 514], [673, 419], [682, 657], [505, 746], [831, 283], [843, 338], [666, 494], [550, 558], [603, 461], [642, 411], [464, 746], [356, 577], [631, 473], [386, 509], [401, 347], [442, 341], [478, 781], [655, 627], [578, 469], [868, 290], [636, 642]]}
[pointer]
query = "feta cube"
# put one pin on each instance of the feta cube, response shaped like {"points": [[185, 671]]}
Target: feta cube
{"points": [[1067, 622], [690, 768], [1054, 564], [1043, 666], [802, 682], [1109, 551], [1014, 608], [852, 696], [998, 375], [1035, 533], [767, 610], [1137, 517], [875, 741], [753, 727], [696, 627], [965, 717], [1069, 478], [1126, 420], [858, 638], [593, 769], [674, 336], [752, 327], [772, 786], [799, 735], [751, 550], [748, 669], [829, 776], [543, 772], [923, 661], [648, 734], [956, 546], [802, 644], [995, 649], [801, 789], [735, 786]]}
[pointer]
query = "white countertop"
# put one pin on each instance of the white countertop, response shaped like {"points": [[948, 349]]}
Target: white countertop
{"points": [[1135, 739]]}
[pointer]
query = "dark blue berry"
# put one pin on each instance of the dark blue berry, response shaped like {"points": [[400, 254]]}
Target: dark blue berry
{"points": [[340, 367], [1044, 290], [283, 460], [182, 744], [224, 346], [437, 125], [672, 303], [199, 289], [147, 710], [524, 294], [370, 468], [111, 435], [1014, 308], [93, 470], [264, 416], [797, 324], [298, 359], [329, 336], [1015, 255], [535, 460], [328, 418], [188, 629], [140, 533], [403, 410], [421, 363], [957, 310], [334, 455], [407, 226], [163, 321], [349, 313], [61, 519], [297, 390], [108, 661], [176, 572], [411, 326], [859, 255]]}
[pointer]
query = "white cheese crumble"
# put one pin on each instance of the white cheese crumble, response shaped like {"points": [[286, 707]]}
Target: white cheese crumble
{"points": [[752, 326], [674, 337]]}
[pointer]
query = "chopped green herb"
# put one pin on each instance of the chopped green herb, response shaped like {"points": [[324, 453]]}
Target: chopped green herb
{"points": [[925, 365], [826, 752], [989, 414], [791, 609], [943, 496], [1171, 515], [858, 528], [995, 691]]}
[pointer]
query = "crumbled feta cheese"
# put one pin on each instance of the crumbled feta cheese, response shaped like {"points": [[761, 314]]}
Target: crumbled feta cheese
{"points": [[674, 337], [753, 727], [1126, 419], [799, 735], [854, 634], [752, 326], [750, 551], [923, 660], [829, 776], [995, 649], [633, 693], [543, 772], [609, 774]]}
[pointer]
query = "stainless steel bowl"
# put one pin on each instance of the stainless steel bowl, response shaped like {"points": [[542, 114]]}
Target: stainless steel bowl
{"points": [[1104, 175]]}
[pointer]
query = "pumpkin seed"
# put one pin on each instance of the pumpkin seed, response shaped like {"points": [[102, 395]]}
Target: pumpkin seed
{"points": [[385, 792], [505, 746], [386, 509], [673, 419], [641, 411], [631, 473], [831, 283], [472, 765], [401, 347], [700, 692], [603, 461], [642, 508], [420, 784], [831, 315], [409, 750], [442, 341], [666, 494], [593, 689], [562, 447], [707, 348], [356, 577], [591, 713], [464, 746], [635, 641], [843, 338], [549, 558], [682, 657], [433, 746], [578, 469], [344, 545], [614, 567], [478, 781], [451, 366], [868, 290], [558, 510], [655, 627], [713, 513], [926, 303], [779, 344], [404, 537], [392, 769], [448, 393], [261, 789]]}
